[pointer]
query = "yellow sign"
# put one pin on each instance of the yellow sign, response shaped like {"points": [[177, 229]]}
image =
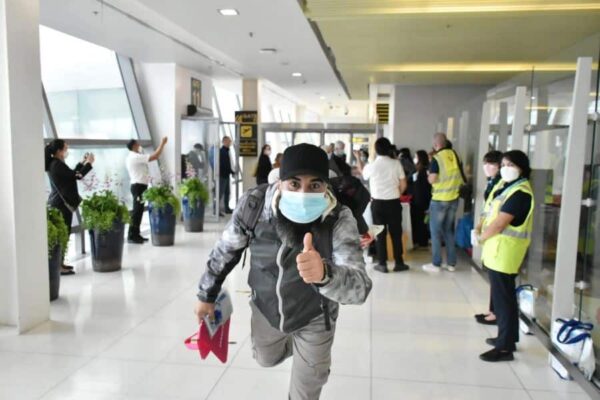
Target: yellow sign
{"points": [[246, 131]]}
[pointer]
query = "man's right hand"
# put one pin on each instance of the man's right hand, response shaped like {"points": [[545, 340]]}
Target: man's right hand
{"points": [[164, 140], [203, 309]]}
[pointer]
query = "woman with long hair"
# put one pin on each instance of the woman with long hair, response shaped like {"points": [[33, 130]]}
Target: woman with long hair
{"points": [[264, 165], [64, 194], [421, 197]]}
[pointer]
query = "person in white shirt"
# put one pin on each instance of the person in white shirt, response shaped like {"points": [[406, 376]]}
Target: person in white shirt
{"points": [[139, 177], [387, 182]]}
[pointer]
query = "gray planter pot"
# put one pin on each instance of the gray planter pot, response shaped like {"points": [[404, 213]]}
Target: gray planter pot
{"points": [[54, 265], [193, 217], [107, 248]]}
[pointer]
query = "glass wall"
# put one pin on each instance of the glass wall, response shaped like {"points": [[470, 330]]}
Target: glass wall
{"points": [[92, 101], [84, 88]]}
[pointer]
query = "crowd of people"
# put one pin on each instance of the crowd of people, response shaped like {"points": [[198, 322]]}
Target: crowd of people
{"points": [[307, 226]]}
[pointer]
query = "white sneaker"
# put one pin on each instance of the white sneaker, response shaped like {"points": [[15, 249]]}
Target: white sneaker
{"points": [[431, 268], [449, 268]]}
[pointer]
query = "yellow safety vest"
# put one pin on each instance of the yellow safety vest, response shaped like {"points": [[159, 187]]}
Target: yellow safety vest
{"points": [[506, 251], [450, 179]]}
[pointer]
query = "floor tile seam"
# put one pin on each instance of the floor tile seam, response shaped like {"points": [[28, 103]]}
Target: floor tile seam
{"points": [[227, 368], [63, 380], [473, 307]]}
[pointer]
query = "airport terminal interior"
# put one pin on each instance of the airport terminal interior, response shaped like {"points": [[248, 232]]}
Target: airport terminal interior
{"points": [[299, 199]]}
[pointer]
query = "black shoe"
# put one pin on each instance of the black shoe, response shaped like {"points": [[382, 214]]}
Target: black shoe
{"points": [[381, 268], [68, 267], [491, 341], [135, 240], [484, 321], [221, 214], [495, 355], [65, 272], [480, 316], [144, 239], [228, 211], [401, 267]]}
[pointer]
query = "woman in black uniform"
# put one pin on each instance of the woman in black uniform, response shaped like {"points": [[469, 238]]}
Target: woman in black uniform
{"points": [[64, 195]]}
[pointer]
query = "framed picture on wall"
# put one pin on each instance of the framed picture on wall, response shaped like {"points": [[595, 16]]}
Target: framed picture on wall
{"points": [[196, 92]]}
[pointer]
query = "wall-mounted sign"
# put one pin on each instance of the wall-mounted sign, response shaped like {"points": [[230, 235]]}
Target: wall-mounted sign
{"points": [[196, 93], [383, 113], [246, 123]]}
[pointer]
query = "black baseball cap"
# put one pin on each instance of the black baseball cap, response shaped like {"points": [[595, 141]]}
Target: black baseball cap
{"points": [[304, 159]]}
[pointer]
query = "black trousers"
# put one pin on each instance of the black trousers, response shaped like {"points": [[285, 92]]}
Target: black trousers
{"points": [[224, 191], [504, 299], [389, 214], [137, 191], [419, 227]]}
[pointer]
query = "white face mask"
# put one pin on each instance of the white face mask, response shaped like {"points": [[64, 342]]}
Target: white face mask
{"points": [[509, 174], [415, 160], [490, 170]]}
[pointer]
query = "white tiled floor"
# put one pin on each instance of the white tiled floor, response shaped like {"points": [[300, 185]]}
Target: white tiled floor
{"points": [[120, 336]]}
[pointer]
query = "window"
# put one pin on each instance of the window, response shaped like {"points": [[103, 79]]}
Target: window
{"points": [[84, 88]]}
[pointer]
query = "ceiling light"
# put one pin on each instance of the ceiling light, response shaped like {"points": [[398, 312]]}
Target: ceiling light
{"points": [[322, 97], [297, 74], [267, 51], [228, 12]]}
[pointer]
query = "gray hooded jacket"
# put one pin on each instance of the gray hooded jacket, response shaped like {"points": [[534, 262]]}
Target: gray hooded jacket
{"points": [[277, 288]]}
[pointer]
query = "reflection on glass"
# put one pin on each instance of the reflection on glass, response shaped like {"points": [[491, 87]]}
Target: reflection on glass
{"points": [[109, 172], [84, 88], [547, 151], [587, 278]]}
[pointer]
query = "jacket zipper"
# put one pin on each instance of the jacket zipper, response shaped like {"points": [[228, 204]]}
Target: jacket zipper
{"points": [[278, 288]]}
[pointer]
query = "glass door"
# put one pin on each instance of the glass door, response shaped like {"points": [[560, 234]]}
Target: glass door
{"points": [[587, 278]]}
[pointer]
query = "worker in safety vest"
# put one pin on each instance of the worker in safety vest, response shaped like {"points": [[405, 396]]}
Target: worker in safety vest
{"points": [[446, 178], [506, 235], [492, 161]]}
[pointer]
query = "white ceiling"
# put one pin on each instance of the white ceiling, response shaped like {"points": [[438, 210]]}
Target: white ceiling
{"points": [[164, 31]]}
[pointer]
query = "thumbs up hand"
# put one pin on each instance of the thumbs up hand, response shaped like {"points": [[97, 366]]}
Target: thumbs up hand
{"points": [[310, 264]]}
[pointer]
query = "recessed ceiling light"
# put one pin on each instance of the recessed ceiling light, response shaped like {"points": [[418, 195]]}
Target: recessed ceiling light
{"points": [[297, 74], [267, 51], [228, 12], [322, 97], [532, 97]]}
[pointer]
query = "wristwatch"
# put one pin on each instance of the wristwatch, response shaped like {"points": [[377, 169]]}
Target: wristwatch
{"points": [[327, 273]]}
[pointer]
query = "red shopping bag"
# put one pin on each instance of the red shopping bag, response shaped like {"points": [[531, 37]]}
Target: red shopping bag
{"points": [[204, 343]]}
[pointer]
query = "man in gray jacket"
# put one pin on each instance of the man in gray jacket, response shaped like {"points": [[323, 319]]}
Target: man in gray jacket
{"points": [[305, 260]]}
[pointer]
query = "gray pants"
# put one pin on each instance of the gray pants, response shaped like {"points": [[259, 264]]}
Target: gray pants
{"points": [[310, 346]]}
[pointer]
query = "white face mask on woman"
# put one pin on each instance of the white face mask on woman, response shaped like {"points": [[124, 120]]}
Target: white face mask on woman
{"points": [[509, 174]]}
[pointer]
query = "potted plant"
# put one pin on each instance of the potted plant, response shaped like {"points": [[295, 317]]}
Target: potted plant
{"points": [[105, 216], [194, 197], [58, 238], [163, 208]]}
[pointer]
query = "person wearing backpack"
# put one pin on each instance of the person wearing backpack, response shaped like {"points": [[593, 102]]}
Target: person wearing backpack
{"points": [[305, 261]]}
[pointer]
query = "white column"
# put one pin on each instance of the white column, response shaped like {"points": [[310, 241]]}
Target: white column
{"points": [[24, 297], [481, 182], [519, 119], [463, 135], [503, 132], [570, 211], [250, 102]]}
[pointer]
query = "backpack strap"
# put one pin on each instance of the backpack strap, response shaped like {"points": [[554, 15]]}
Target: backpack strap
{"points": [[251, 212]]}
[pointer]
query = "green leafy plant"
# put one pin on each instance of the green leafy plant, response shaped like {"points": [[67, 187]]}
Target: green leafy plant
{"points": [[194, 190], [162, 195], [102, 209], [58, 232]]}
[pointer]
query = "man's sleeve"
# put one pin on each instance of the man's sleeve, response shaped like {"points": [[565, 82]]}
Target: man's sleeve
{"points": [[349, 282], [434, 168], [224, 257]]}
